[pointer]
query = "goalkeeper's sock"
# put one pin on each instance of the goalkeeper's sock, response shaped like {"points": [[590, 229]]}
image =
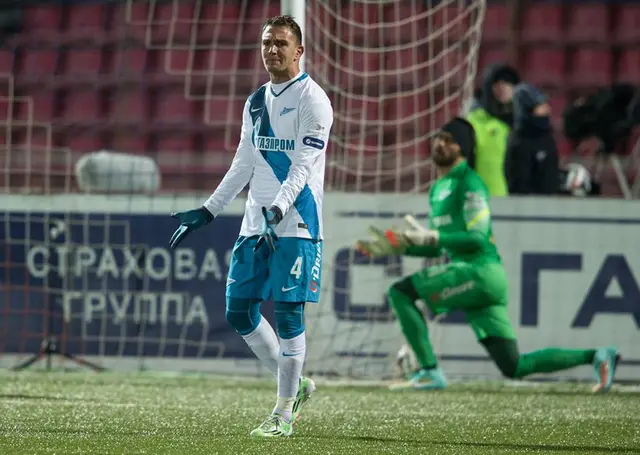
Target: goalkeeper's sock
{"points": [[290, 362], [549, 360], [414, 327], [264, 344]]}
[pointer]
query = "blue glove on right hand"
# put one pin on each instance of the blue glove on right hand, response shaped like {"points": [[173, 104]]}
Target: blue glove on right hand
{"points": [[189, 222]]}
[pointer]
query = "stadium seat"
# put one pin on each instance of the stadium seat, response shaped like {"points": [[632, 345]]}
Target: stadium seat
{"points": [[488, 56], [38, 65], [588, 23], [401, 68], [84, 142], [363, 25], [130, 143], [219, 23], [590, 68], [222, 110], [407, 21], [626, 24], [7, 58], [83, 64], [544, 67], [43, 109], [37, 19], [171, 23], [86, 21], [173, 108], [357, 71], [542, 23], [496, 23], [452, 24], [128, 107], [131, 62], [629, 66], [81, 107]]}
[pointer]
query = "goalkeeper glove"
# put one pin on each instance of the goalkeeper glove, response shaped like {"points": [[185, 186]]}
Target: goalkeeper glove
{"points": [[379, 246], [267, 235], [189, 222], [412, 237]]}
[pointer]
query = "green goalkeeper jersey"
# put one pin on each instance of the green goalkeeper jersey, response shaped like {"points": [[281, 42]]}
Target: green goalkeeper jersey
{"points": [[460, 213]]}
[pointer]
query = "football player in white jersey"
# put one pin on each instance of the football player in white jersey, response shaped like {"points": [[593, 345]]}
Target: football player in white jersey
{"points": [[278, 254]]}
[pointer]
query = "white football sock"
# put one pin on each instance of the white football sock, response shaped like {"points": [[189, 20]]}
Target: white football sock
{"points": [[290, 362], [264, 344]]}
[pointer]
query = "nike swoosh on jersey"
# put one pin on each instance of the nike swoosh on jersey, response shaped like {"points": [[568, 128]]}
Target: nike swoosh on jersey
{"points": [[286, 110], [286, 354], [288, 289]]}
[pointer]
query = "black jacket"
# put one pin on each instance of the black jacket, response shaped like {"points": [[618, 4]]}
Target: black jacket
{"points": [[531, 164]]}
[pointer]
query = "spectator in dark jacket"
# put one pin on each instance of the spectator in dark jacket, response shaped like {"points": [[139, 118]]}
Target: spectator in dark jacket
{"points": [[531, 164]]}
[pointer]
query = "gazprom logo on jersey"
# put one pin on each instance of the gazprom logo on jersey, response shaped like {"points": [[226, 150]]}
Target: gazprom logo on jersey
{"points": [[313, 142], [273, 144]]}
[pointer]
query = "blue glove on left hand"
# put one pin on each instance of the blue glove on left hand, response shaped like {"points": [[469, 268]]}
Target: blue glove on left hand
{"points": [[267, 234], [189, 222]]}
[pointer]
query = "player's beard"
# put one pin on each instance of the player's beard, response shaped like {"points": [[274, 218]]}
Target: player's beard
{"points": [[443, 157]]}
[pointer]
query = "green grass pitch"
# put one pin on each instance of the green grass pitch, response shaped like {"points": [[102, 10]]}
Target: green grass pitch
{"points": [[110, 413]]}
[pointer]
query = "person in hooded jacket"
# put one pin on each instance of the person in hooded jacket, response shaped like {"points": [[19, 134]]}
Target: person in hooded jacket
{"points": [[492, 119], [531, 164]]}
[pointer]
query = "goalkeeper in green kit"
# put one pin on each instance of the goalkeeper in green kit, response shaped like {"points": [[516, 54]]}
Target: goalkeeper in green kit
{"points": [[474, 281]]}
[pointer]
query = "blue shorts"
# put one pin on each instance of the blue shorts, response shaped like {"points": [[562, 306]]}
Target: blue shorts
{"points": [[290, 274]]}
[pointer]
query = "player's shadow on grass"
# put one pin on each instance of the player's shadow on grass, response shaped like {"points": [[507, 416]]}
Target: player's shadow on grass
{"points": [[540, 447], [20, 396], [544, 448]]}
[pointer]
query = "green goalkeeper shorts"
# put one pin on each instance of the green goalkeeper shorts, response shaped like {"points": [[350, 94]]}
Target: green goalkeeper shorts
{"points": [[480, 291]]}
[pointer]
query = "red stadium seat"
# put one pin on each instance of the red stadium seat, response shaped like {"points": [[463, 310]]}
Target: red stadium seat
{"points": [[83, 63], [86, 22], [402, 68], [626, 24], [361, 23], [489, 56], [39, 65], [81, 107], [409, 21], [7, 58], [129, 61], [43, 107], [173, 108], [222, 110], [590, 68], [128, 143], [172, 22], [128, 107], [451, 22], [629, 66], [42, 19], [358, 70], [542, 22], [84, 142], [588, 23], [496, 22], [545, 67]]}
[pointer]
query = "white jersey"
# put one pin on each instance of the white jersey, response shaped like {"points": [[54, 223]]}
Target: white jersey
{"points": [[281, 154]]}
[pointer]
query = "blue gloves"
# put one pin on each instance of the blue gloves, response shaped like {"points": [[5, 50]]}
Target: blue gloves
{"points": [[267, 234], [189, 222]]}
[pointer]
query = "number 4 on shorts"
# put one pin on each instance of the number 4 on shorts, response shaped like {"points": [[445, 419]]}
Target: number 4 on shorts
{"points": [[296, 270]]}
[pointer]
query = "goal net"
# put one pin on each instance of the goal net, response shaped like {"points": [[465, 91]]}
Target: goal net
{"points": [[396, 71], [138, 115]]}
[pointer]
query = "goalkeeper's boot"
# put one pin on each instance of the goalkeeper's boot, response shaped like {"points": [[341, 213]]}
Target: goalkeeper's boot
{"points": [[423, 379], [274, 426], [305, 388], [605, 363]]}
